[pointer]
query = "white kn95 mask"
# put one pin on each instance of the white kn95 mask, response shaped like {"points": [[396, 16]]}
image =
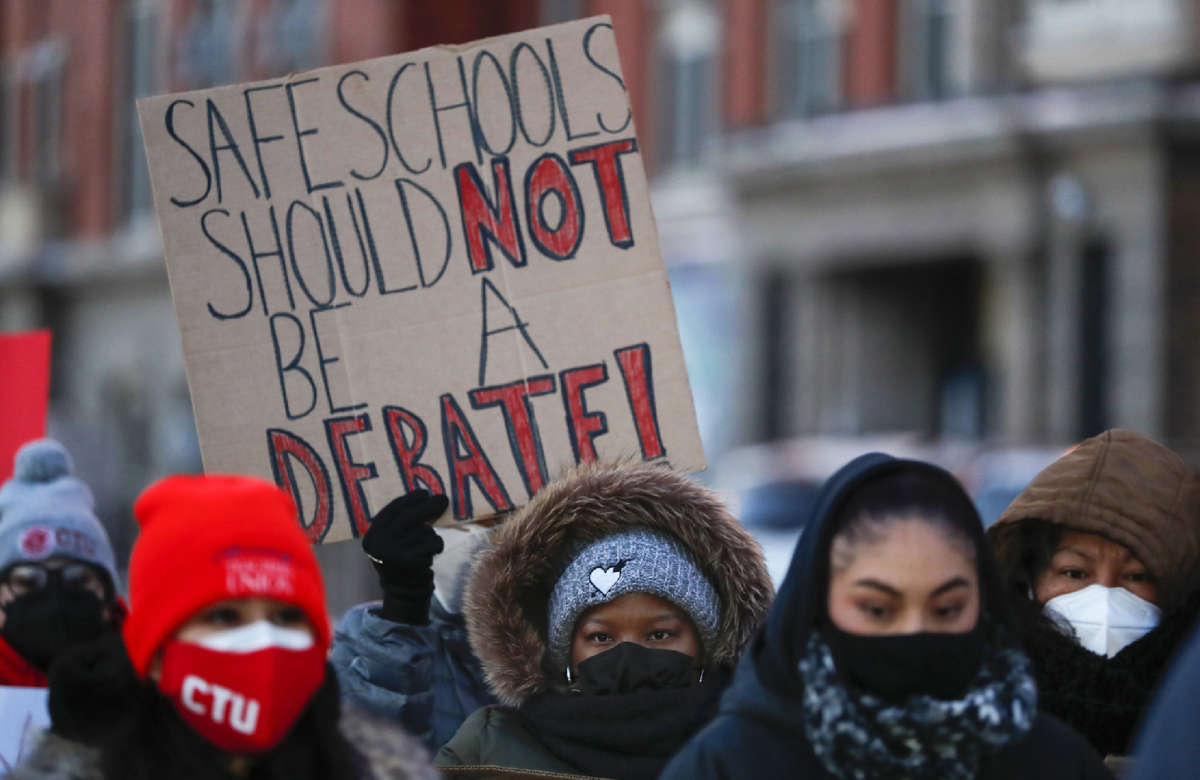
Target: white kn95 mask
{"points": [[1105, 620]]}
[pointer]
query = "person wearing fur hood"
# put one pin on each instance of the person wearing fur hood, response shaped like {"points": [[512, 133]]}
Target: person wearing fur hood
{"points": [[607, 616], [220, 670]]}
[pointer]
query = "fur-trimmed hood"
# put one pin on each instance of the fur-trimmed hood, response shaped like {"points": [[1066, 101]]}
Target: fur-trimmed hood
{"points": [[510, 584]]}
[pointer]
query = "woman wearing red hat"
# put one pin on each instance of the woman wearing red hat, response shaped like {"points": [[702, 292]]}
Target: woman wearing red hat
{"points": [[222, 671]]}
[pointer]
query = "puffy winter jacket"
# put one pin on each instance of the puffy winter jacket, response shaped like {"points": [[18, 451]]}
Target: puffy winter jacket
{"points": [[424, 677]]}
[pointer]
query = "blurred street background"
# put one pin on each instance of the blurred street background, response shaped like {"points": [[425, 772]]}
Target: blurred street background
{"points": [[963, 230]]}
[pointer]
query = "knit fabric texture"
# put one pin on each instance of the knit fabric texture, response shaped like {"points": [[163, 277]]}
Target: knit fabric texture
{"points": [[634, 561], [45, 512]]}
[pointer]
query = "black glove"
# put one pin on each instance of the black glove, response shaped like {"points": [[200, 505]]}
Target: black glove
{"points": [[401, 543]]}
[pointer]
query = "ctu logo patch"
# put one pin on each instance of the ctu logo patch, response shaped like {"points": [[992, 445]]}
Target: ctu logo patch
{"points": [[35, 542], [39, 541], [260, 575], [221, 704]]}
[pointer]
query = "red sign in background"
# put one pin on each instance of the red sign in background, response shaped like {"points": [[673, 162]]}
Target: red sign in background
{"points": [[24, 391]]}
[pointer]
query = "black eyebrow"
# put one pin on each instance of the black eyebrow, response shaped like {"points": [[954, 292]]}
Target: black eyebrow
{"points": [[1077, 551], [957, 582], [665, 616], [877, 585]]}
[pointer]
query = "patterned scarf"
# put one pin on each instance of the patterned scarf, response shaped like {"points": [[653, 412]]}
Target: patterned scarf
{"points": [[857, 736]]}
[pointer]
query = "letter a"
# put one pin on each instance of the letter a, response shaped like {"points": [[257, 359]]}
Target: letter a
{"points": [[517, 324]]}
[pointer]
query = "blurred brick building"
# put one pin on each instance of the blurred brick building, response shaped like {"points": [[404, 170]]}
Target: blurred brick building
{"points": [[967, 218]]}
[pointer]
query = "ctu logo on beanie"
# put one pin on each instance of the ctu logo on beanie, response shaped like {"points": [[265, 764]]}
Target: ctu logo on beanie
{"points": [[258, 572], [35, 542], [39, 541], [45, 510]]}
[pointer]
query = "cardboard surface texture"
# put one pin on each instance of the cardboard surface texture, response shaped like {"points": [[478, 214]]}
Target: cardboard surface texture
{"points": [[24, 392], [435, 270]]}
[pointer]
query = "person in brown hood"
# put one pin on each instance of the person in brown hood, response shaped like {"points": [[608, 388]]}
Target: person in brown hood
{"points": [[1102, 552], [607, 616]]}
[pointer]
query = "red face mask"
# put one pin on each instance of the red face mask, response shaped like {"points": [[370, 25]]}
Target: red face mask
{"points": [[243, 689]]}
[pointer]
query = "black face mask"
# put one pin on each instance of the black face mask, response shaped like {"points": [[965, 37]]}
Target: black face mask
{"points": [[897, 666], [42, 623], [630, 667]]}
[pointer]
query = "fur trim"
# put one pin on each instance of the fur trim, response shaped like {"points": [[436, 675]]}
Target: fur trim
{"points": [[56, 757], [510, 584], [388, 750]]}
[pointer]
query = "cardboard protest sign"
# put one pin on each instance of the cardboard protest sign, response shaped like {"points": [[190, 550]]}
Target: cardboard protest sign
{"points": [[24, 392], [435, 270], [23, 714]]}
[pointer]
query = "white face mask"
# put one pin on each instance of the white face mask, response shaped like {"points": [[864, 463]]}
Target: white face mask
{"points": [[453, 564], [256, 636], [1105, 620]]}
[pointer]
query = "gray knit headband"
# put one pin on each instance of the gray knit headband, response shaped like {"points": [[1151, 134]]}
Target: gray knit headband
{"points": [[635, 561]]}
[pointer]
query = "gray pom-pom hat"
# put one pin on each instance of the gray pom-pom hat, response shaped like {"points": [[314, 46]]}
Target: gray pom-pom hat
{"points": [[46, 511]]}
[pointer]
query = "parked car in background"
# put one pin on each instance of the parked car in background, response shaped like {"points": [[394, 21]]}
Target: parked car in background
{"points": [[771, 487]]}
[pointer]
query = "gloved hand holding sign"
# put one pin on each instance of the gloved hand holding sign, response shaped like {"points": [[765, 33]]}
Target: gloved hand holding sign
{"points": [[401, 544]]}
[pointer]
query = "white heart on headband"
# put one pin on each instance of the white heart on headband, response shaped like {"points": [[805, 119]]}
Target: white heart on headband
{"points": [[603, 579]]}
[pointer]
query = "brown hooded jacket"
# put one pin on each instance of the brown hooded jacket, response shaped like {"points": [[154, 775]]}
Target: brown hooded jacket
{"points": [[1126, 488]]}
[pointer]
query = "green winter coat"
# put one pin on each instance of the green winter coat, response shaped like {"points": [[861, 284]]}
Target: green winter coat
{"points": [[495, 737]]}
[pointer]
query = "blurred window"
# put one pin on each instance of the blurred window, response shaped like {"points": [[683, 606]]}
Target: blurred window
{"points": [[809, 72], [45, 64], [31, 108], [138, 79], [287, 39], [556, 11], [8, 124], [688, 108], [1093, 335], [927, 48], [206, 46]]}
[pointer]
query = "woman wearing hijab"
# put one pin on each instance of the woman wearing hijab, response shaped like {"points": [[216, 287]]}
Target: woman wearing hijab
{"points": [[1102, 555], [221, 673], [889, 651], [607, 616]]}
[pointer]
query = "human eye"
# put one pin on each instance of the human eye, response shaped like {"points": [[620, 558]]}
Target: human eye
{"points": [[222, 616], [874, 610], [1072, 573], [599, 637], [288, 616], [949, 611], [661, 635]]}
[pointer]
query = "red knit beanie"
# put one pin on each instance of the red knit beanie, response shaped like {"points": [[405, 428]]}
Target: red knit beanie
{"points": [[205, 539]]}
